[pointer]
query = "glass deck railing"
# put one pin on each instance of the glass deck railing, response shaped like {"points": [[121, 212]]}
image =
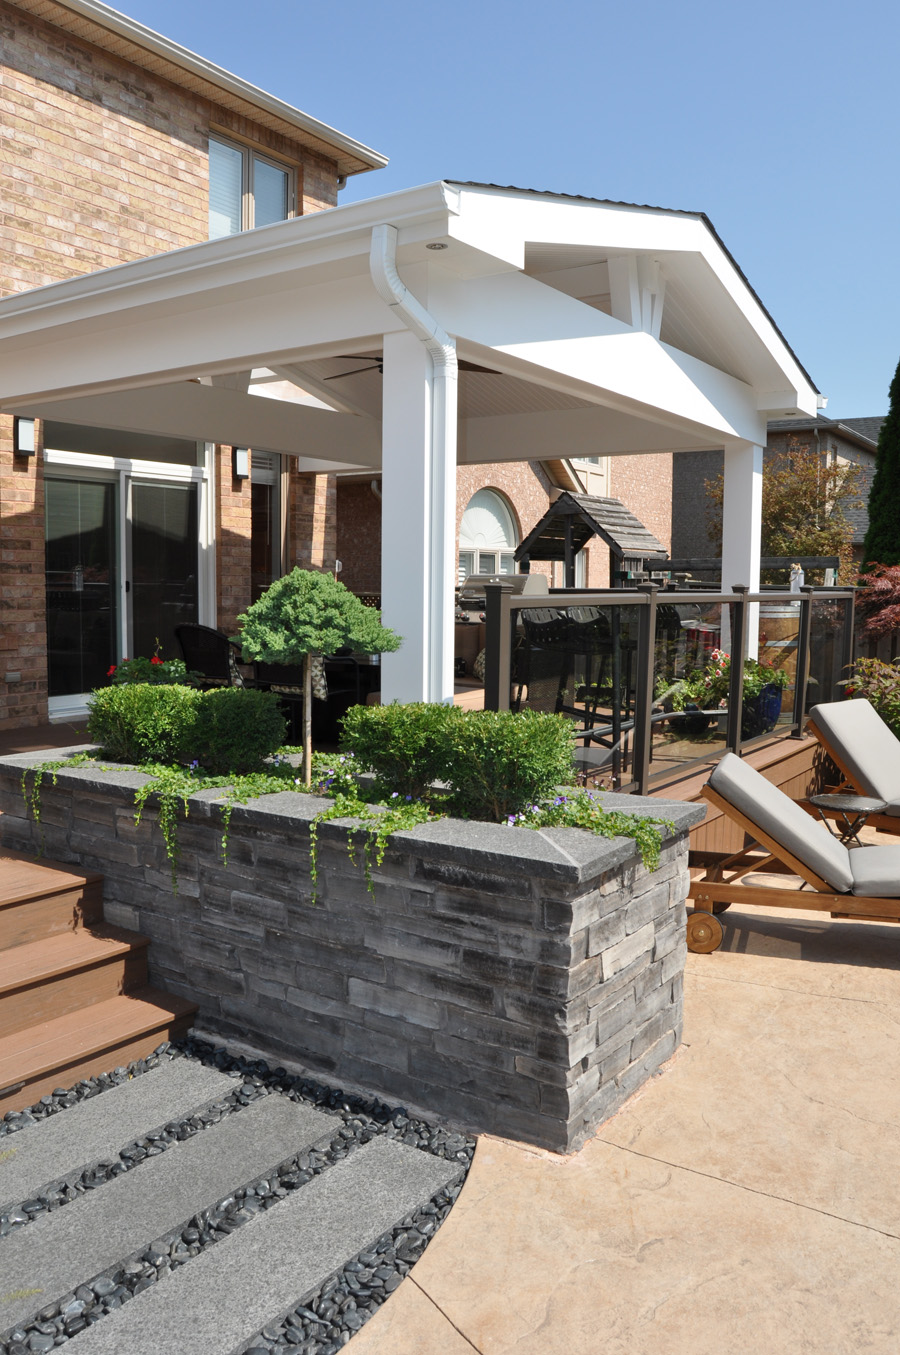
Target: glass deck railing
{"points": [[658, 681]]}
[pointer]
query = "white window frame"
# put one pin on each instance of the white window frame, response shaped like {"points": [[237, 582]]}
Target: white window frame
{"points": [[249, 156], [127, 470], [491, 559]]}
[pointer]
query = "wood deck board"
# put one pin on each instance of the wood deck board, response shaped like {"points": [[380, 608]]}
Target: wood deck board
{"points": [[69, 1039], [53, 956], [22, 878]]}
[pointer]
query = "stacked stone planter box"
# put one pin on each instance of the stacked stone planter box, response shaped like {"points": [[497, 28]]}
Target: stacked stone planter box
{"points": [[517, 982]]}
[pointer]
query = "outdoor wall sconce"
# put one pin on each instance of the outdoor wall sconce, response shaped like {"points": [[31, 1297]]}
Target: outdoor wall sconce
{"points": [[240, 463], [23, 436]]}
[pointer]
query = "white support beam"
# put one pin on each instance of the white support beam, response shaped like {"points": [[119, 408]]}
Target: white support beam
{"points": [[652, 288], [322, 390], [539, 333], [742, 526], [217, 414], [418, 530], [624, 290]]}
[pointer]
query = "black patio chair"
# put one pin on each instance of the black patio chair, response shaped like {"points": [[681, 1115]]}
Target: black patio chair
{"points": [[210, 654]]}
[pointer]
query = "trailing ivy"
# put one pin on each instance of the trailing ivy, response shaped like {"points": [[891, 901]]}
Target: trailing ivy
{"points": [[174, 786], [350, 796], [380, 822], [32, 795]]}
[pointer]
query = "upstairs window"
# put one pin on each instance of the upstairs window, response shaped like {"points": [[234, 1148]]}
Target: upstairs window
{"points": [[245, 189]]}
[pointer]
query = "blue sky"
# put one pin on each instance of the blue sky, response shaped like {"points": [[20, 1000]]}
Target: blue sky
{"points": [[779, 120]]}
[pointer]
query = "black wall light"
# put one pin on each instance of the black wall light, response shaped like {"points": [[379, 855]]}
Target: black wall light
{"points": [[240, 463], [23, 436]]}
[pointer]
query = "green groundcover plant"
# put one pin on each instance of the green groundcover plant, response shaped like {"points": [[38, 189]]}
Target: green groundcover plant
{"points": [[400, 766]]}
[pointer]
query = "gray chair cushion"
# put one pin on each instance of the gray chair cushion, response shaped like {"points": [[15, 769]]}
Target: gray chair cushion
{"points": [[866, 747], [784, 821], [876, 871]]}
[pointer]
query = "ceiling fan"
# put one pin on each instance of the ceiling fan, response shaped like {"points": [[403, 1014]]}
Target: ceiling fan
{"points": [[377, 365]]}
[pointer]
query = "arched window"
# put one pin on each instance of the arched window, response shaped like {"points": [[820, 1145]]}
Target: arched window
{"points": [[487, 536]]}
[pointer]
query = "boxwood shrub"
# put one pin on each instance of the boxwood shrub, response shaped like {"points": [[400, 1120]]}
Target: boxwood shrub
{"points": [[228, 729], [143, 722], [406, 746], [235, 729], [492, 763]]}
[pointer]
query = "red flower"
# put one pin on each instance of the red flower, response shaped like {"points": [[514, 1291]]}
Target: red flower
{"points": [[156, 659], [111, 671]]}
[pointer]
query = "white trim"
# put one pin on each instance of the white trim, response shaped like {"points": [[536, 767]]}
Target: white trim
{"points": [[63, 708]]}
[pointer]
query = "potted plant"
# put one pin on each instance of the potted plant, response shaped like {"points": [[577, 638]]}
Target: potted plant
{"points": [[705, 689], [305, 614]]}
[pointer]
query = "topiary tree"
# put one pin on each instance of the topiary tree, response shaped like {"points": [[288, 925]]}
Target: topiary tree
{"points": [[304, 614], [882, 543]]}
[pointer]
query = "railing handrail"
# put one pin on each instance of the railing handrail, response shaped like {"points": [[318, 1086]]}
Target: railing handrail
{"points": [[624, 597]]}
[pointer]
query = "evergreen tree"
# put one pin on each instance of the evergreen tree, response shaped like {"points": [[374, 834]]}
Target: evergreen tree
{"points": [[882, 544], [307, 613]]}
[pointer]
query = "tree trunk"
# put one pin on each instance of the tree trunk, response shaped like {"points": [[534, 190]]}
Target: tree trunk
{"points": [[307, 719]]}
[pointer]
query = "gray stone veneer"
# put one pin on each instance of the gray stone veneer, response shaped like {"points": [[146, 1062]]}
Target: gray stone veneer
{"points": [[517, 982]]}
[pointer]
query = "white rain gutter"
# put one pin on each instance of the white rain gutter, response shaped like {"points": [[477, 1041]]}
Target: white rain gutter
{"points": [[441, 485]]}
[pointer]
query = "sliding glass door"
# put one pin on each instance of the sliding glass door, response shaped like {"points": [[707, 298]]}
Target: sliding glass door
{"points": [[162, 565], [82, 583], [122, 571]]}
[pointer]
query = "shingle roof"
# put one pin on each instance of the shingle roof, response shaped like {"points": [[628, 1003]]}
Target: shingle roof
{"points": [[590, 515], [864, 431]]}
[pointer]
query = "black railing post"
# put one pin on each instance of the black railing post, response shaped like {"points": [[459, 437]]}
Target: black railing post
{"points": [[739, 620], [848, 639], [802, 674], [497, 646], [643, 697]]}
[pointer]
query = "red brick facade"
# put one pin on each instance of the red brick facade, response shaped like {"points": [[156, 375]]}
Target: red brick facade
{"points": [[104, 162]]}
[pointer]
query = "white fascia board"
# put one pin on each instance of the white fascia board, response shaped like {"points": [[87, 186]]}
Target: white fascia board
{"points": [[333, 242], [216, 414], [171, 51], [594, 356], [506, 221]]}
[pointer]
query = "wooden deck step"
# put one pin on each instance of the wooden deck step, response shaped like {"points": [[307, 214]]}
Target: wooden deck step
{"points": [[61, 1051], [67, 971], [42, 898]]}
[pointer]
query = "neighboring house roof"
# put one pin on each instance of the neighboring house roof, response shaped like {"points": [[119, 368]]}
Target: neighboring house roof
{"points": [[864, 432], [590, 515], [124, 37], [869, 427]]}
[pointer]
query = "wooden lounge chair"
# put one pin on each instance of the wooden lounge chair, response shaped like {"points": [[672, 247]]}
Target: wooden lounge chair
{"points": [[862, 746], [861, 883]]}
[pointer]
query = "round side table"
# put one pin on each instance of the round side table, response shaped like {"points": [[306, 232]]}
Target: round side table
{"points": [[854, 812]]}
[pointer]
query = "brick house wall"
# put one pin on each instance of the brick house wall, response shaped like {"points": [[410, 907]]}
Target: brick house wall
{"points": [[102, 162], [644, 483]]}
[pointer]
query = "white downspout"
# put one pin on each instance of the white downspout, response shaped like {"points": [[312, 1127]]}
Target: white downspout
{"points": [[442, 486]]}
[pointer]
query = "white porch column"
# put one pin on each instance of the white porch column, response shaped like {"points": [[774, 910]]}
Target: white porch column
{"points": [[742, 526], [418, 526]]}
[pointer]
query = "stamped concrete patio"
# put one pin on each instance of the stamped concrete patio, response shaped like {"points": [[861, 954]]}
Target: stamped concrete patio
{"points": [[747, 1200]]}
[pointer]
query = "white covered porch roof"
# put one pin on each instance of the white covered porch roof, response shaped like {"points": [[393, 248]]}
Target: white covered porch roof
{"points": [[581, 328]]}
